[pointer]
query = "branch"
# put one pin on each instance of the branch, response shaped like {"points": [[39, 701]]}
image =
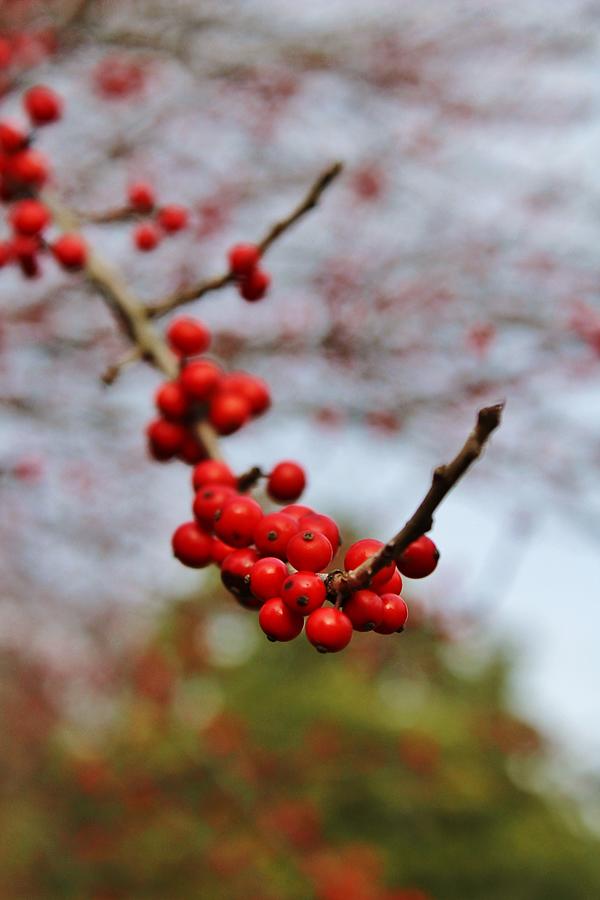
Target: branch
{"points": [[130, 314], [444, 479], [186, 295]]}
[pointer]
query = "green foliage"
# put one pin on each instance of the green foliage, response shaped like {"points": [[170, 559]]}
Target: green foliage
{"points": [[229, 767]]}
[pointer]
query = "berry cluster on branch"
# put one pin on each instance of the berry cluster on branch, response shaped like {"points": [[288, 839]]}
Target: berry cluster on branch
{"points": [[276, 562]]}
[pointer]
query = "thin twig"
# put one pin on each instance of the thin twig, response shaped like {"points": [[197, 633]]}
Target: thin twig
{"points": [[194, 292], [130, 314], [444, 479], [112, 372]]}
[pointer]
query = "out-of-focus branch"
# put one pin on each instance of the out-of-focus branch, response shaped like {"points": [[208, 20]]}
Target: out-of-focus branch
{"points": [[130, 314], [109, 216], [444, 479], [194, 292]]}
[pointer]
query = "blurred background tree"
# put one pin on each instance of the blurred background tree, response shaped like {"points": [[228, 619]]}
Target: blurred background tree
{"points": [[456, 262]]}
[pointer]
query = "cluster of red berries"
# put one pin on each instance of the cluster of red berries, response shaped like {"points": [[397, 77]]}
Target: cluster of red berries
{"points": [[244, 265], [23, 171], [276, 562], [164, 221], [203, 391]]}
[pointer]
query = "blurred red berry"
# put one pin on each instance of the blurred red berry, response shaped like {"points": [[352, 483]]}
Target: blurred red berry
{"points": [[29, 217], [213, 471], [235, 575], [188, 337], [70, 250], [146, 236], [172, 218], [140, 195], [171, 400], [165, 439], [43, 105], [228, 412], [255, 285], [243, 258], [200, 379]]}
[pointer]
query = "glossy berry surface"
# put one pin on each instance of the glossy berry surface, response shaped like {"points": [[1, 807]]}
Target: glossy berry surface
{"points": [[235, 575], [278, 621], [392, 586], [243, 258], [310, 551], [363, 550], [324, 525], [274, 532], [364, 609], [210, 500], [192, 546], [419, 559], [303, 592], [267, 577], [188, 337], [236, 522], [286, 481], [213, 471], [329, 629], [395, 614], [253, 389]]}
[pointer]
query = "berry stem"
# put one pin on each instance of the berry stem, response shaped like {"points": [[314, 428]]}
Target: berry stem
{"points": [[195, 291], [443, 480]]}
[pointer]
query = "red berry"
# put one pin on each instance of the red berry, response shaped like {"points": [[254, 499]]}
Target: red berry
{"points": [[296, 510], [228, 412], [12, 137], [393, 586], [419, 559], [303, 592], [213, 471], [220, 551], [24, 246], [309, 551], [192, 546], [365, 610], [210, 500], [42, 104], [286, 481], [329, 629], [278, 621], [171, 400], [164, 439], [243, 258], [29, 167], [188, 337], [325, 525], [255, 285], [273, 534], [6, 53], [236, 522], [191, 451], [200, 379], [359, 552], [29, 217], [253, 389], [172, 218], [70, 250], [141, 196], [395, 614], [235, 575], [267, 577], [146, 236]]}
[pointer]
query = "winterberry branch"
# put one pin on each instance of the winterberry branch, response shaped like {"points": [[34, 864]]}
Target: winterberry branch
{"points": [[444, 479], [131, 315], [194, 292]]}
